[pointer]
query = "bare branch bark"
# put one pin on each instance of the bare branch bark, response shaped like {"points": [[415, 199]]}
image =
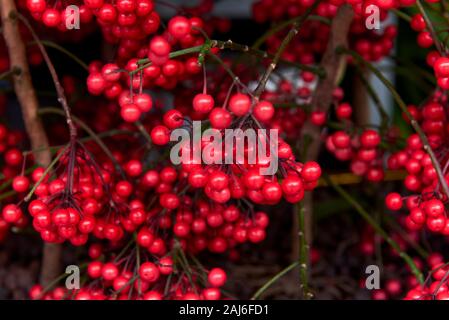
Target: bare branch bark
{"points": [[322, 99], [332, 63], [27, 98]]}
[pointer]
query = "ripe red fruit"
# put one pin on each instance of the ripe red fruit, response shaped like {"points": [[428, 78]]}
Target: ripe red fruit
{"points": [[143, 101], [203, 103], [20, 184], [211, 294], [434, 208], [179, 27], [173, 119], [291, 185], [393, 201], [256, 235], [311, 171], [51, 17], [272, 192], [239, 104], [417, 216], [109, 271], [318, 117], [418, 23], [130, 112], [36, 6], [11, 213], [220, 118], [13, 157], [123, 188], [166, 265], [148, 271], [96, 83], [425, 39], [169, 201], [441, 67], [263, 111], [370, 139], [94, 269], [436, 224], [344, 111], [159, 46], [160, 135], [94, 4], [341, 139], [216, 277]]}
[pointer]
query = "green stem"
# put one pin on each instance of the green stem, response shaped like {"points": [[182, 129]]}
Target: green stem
{"points": [[232, 46], [47, 170], [270, 282], [144, 133], [402, 15], [7, 194], [139, 282], [13, 71], [365, 215], [303, 254]]}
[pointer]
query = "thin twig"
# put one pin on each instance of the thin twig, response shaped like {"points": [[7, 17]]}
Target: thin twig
{"points": [[285, 42], [273, 280]]}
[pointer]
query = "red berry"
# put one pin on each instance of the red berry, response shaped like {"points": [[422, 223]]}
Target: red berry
{"points": [[393, 201], [220, 118], [130, 112], [239, 104], [51, 17], [263, 111], [160, 135], [11, 213], [148, 271], [20, 184], [179, 27], [203, 103], [216, 277]]}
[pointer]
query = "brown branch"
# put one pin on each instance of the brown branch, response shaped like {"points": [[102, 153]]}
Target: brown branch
{"points": [[59, 89], [26, 96], [332, 63], [322, 99]]}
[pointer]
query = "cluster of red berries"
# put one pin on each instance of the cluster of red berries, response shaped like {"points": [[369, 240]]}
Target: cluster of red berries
{"points": [[124, 278], [371, 44], [244, 178], [156, 70], [436, 285], [441, 69], [67, 205], [216, 228], [427, 204], [361, 149], [58, 15]]}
